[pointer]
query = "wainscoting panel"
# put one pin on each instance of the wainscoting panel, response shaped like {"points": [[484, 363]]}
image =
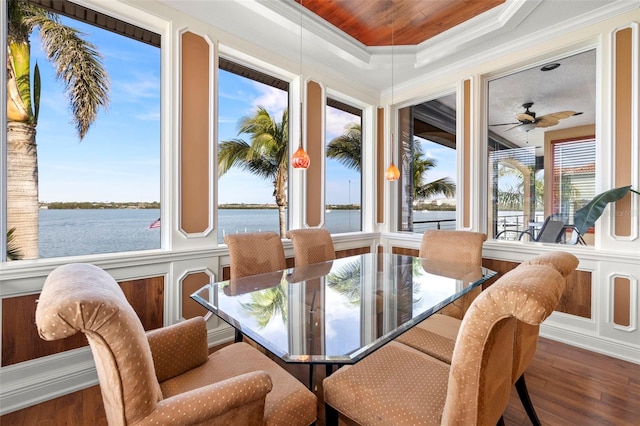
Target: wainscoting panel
{"points": [[20, 340]]}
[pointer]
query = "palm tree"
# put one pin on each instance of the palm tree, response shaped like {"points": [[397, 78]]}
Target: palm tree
{"points": [[266, 155], [420, 167], [346, 149], [79, 66]]}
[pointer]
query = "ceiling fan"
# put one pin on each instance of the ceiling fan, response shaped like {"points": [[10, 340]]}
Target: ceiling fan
{"points": [[527, 120]]}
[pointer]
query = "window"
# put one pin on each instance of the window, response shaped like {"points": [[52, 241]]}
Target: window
{"points": [[343, 169], [541, 146], [574, 168], [427, 143], [253, 153], [93, 185]]}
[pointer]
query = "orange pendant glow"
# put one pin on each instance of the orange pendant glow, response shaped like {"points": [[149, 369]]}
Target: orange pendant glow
{"points": [[300, 159], [392, 172]]}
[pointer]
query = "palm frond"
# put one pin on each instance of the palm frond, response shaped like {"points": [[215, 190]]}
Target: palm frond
{"points": [[13, 251], [79, 66], [347, 148], [444, 186], [346, 281], [266, 304], [231, 153]]}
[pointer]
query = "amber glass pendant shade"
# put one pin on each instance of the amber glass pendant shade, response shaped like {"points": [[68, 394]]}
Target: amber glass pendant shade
{"points": [[392, 172], [300, 159]]}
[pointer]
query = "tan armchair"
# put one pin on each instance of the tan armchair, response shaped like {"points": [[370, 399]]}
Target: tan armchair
{"points": [[311, 245], [436, 336], [166, 376], [400, 385]]}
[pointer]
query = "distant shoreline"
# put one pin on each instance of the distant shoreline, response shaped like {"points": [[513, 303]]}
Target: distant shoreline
{"points": [[232, 206], [156, 205], [88, 205]]}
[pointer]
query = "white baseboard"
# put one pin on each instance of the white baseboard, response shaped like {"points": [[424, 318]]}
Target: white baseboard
{"points": [[42, 379], [32, 382], [601, 345]]}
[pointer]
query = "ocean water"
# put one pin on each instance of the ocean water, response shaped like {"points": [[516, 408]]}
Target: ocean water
{"points": [[80, 232], [86, 231]]}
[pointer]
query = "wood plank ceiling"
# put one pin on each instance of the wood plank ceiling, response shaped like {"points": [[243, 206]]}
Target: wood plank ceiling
{"points": [[412, 21]]}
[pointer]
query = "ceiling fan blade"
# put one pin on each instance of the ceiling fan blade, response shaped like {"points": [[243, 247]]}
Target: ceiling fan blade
{"points": [[502, 124], [518, 125], [554, 118], [546, 121], [525, 117]]}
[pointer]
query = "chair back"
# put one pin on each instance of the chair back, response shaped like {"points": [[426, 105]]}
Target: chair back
{"points": [[461, 247], [480, 378], [527, 334], [312, 245], [83, 297], [255, 253], [551, 230]]}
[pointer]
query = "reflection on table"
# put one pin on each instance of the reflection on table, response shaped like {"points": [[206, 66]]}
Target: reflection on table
{"points": [[338, 311]]}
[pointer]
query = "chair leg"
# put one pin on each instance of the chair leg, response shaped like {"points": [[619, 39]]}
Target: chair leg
{"points": [[523, 393], [330, 415]]}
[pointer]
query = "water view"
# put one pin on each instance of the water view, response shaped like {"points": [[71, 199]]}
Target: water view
{"points": [[92, 231]]}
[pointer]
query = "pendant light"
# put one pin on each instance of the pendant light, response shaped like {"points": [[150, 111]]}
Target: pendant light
{"points": [[300, 159], [392, 172]]}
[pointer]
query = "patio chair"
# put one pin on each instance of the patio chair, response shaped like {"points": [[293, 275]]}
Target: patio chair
{"points": [[166, 376], [551, 231]]}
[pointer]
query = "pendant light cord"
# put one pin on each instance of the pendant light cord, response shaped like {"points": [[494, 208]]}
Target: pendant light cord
{"points": [[392, 85], [301, 82]]}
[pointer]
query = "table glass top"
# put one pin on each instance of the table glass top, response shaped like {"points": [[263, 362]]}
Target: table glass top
{"points": [[341, 310]]}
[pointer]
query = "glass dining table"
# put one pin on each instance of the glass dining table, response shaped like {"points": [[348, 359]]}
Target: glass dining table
{"points": [[338, 312]]}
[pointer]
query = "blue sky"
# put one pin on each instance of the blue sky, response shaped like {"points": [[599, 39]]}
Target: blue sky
{"points": [[119, 159], [239, 97]]}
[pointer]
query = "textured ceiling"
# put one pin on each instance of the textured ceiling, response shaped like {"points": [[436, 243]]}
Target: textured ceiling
{"points": [[570, 87]]}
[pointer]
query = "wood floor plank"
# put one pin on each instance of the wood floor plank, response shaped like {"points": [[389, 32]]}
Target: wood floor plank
{"points": [[568, 386]]}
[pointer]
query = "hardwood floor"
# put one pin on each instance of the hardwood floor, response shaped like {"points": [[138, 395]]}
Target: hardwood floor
{"points": [[568, 386]]}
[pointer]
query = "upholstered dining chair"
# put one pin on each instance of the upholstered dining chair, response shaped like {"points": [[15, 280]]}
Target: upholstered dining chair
{"points": [[437, 335], [400, 385], [311, 245], [166, 376], [463, 247], [254, 253]]}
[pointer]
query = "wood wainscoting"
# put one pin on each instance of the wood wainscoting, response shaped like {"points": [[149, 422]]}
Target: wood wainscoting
{"points": [[20, 339], [576, 299]]}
